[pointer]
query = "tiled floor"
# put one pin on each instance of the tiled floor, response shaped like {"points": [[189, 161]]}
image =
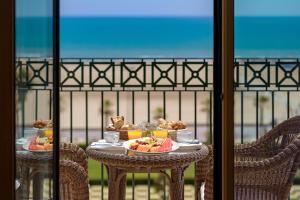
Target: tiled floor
{"points": [[141, 193]]}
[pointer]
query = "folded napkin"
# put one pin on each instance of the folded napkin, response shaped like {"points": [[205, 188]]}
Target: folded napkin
{"points": [[102, 144], [189, 146]]}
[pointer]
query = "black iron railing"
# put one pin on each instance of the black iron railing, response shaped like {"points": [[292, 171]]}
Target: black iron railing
{"points": [[266, 92]]}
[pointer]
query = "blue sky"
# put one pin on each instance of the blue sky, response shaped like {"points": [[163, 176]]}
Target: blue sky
{"points": [[156, 7], [138, 7]]}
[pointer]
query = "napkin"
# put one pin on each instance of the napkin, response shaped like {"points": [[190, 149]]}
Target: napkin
{"points": [[102, 144], [189, 146]]}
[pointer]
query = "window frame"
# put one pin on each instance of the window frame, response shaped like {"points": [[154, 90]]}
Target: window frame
{"points": [[223, 97]]}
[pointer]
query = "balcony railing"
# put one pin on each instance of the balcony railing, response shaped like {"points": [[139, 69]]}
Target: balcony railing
{"points": [[92, 90]]}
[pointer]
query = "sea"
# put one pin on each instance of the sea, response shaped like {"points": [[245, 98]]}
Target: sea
{"points": [[155, 37]]}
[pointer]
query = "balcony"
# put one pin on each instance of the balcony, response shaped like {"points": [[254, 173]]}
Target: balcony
{"points": [[93, 90]]}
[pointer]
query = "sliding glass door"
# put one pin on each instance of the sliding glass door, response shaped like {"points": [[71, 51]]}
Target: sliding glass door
{"points": [[266, 69], [34, 99]]}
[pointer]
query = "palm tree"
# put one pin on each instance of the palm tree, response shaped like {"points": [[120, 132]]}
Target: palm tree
{"points": [[158, 113], [107, 110], [263, 100], [206, 109]]}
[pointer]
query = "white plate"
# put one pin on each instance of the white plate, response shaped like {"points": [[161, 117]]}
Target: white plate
{"points": [[26, 147], [126, 145]]}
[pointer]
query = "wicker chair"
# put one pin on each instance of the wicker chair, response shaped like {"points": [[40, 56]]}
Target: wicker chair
{"points": [[264, 169], [73, 173], [74, 153]]}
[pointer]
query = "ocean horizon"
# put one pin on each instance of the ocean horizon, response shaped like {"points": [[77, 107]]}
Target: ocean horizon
{"points": [[156, 37]]}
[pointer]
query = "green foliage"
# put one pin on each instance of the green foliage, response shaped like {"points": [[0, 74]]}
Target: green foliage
{"points": [[158, 113], [263, 99]]}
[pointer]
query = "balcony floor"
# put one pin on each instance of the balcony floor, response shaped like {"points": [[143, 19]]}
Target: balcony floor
{"points": [[141, 192]]}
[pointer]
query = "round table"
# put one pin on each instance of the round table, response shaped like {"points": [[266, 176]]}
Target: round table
{"points": [[33, 166], [119, 164]]}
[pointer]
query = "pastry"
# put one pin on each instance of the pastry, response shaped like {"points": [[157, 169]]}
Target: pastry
{"points": [[49, 124], [118, 122], [178, 125], [42, 124], [171, 125], [128, 127], [111, 127]]}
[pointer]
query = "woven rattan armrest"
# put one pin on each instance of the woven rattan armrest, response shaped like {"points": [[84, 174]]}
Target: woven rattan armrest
{"points": [[74, 153], [272, 162], [262, 145]]}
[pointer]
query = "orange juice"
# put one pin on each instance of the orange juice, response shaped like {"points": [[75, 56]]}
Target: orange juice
{"points": [[48, 132], [134, 134], [160, 133]]}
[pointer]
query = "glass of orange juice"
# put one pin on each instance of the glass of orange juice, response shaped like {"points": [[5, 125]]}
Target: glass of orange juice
{"points": [[48, 132], [134, 134], [160, 133]]}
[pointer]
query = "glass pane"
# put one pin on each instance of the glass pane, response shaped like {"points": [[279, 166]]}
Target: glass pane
{"points": [[267, 51], [143, 60], [34, 139]]}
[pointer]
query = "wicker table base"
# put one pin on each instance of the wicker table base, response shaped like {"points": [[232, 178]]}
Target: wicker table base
{"points": [[32, 166], [119, 164]]}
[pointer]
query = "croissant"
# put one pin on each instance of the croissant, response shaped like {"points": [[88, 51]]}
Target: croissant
{"points": [[117, 121]]}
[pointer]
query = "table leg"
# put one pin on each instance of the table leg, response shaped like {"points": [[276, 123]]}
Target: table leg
{"points": [[38, 186], [116, 184], [177, 184], [122, 187], [23, 191]]}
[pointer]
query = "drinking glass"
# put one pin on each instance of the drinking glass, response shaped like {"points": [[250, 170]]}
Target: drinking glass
{"points": [[111, 136], [185, 136], [134, 134], [160, 133]]}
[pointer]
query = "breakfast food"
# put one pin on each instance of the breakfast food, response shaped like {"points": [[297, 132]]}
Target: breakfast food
{"points": [[178, 125], [151, 144], [128, 127], [43, 124], [171, 125], [118, 122], [50, 124], [39, 143], [43, 140]]}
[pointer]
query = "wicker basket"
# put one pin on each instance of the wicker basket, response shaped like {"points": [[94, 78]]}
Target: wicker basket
{"points": [[123, 134]]}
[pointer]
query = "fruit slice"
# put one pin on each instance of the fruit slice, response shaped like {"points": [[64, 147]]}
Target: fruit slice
{"points": [[40, 147], [155, 149], [48, 147], [166, 145], [133, 146], [144, 148], [33, 141], [32, 147]]}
